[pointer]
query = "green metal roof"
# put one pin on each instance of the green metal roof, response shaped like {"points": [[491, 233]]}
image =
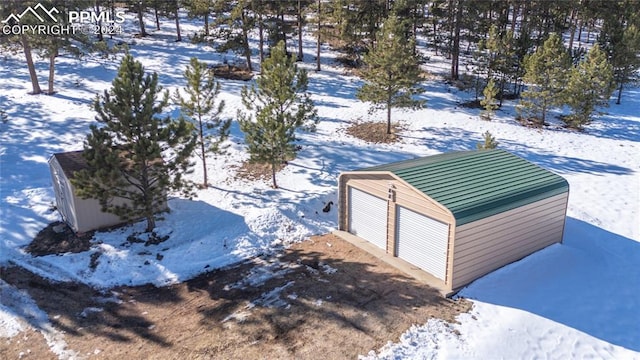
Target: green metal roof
{"points": [[477, 184]]}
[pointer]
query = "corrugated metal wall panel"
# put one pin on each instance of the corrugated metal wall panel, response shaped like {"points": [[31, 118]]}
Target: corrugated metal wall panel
{"points": [[534, 210], [483, 246], [527, 241], [422, 241], [475, 271], [368, 217], [374, 187], [505, 230], [415, 201]]}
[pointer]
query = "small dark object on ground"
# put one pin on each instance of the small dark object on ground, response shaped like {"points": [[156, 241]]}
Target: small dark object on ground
{"points": [[93, 262], [155, 239], [327, 207]]}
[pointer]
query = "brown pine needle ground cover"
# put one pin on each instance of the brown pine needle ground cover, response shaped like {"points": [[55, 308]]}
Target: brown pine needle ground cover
{"points": [[375, 132]]}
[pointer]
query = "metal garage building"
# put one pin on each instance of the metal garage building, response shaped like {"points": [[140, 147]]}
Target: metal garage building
{"points": [[458, 215]]}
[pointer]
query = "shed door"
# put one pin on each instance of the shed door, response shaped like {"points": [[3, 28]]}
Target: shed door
{"points": [[368, 217], [422, 241]]}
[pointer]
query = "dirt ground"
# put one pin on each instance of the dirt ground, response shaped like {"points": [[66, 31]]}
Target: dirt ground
{"points": [[328, 300], [375, 132]]}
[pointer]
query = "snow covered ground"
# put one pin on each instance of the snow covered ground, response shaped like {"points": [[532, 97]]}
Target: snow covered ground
{"points": [[575, 300]]}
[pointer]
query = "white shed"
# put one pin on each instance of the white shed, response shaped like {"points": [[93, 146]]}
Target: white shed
{"points": [[80, 214]]}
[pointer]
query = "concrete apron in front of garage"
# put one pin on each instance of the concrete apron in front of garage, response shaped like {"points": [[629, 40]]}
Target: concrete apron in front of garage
{"points": [[407, 268]]}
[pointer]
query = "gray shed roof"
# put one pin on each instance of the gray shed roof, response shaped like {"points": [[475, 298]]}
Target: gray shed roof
{"points": [[71, 162]]}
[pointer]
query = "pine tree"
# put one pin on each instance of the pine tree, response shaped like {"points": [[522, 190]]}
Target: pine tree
{"points": [[501, 57], [135, 156], [139, 7], [48, 45], [589, 86], [200, 108], [391, 72], [281, 106], [357, 22], [12, 42], [619, 38], [489, 101], [626, 59], [197, 9], [489, 142], [545, 74]]}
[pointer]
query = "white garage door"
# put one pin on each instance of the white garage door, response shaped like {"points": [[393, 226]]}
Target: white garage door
{"points": [[422, 241], [368, 217]]}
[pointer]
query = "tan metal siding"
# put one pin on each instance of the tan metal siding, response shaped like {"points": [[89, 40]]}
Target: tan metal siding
{"points": [[490, 243], [375, 186], [411, 199], [490, 222], [527, 223], [474, 268]]}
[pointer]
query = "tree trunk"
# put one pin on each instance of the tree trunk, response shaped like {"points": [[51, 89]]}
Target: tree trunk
{"points": [[35, 86], [619, 93], [414, 29], [52, 68], [300, 56], [451, 21], [284, 34], [206, 24], [113, 14], [203, 153], [97, 6], [143, 32], [273, 175], [245, 41], [318, 42], [455, 50], [389, 116], [179, 38], [502, 86], [435, 37], [516, 10], [572, 28], [261, 37], [155, 11], [151, 223]]}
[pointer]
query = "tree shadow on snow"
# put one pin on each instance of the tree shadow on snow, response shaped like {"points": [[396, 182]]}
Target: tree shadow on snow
{"points": [[310, 295], [590, 283], [457, 139]]}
